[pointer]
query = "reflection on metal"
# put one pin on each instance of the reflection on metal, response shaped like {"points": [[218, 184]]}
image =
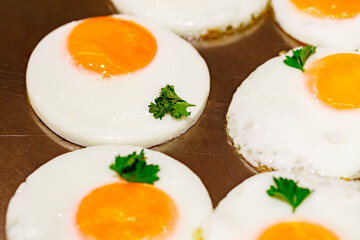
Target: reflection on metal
{"points": [[62, 142]]}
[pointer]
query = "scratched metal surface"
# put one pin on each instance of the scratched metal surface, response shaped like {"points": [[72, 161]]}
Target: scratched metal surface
{"points": [[26, 144]]}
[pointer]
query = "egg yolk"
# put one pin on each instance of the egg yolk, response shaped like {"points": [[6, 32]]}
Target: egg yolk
{"points": [[111, 46], [335, 9], [335, 80], [126, 211], [297, 231]]}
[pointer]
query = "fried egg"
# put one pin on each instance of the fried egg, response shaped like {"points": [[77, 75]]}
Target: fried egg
{"points": [[323, 23], [77, 196], [331, 211], [193, 18], [283, 119], [91, 81]]}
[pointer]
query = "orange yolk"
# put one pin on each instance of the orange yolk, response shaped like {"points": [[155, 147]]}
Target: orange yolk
{"points": [[111, 46], [335, 9], [297, 231], [126, 211], [335, 80]]}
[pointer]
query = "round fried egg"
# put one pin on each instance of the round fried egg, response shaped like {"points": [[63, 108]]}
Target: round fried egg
{"points": [[193, 18], [331, 211], [77, 196], [323, 23], [281, 118], [91, 81]]}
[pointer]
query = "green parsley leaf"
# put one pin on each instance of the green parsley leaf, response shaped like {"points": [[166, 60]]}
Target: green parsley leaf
{"points": [[288, 191], [169, 102], [133, 168], [299, 57]]}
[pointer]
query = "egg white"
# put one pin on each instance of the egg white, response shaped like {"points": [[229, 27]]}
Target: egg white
{"points": [[86, 110], [193, 18], [45, 206], [248, 210], [275, 122], [322, 32]]}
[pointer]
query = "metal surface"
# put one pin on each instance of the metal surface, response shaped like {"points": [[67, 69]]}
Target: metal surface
{"points": [[26, 144]]}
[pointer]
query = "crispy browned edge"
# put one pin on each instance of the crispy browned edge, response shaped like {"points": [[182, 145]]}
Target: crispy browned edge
{"points": [[262, 168], [259, 168], [216, 34]]}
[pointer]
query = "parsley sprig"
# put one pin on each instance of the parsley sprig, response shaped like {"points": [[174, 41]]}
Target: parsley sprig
{"points": [[299, 57], [288, 191], [169, 102], [133, 168]]}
